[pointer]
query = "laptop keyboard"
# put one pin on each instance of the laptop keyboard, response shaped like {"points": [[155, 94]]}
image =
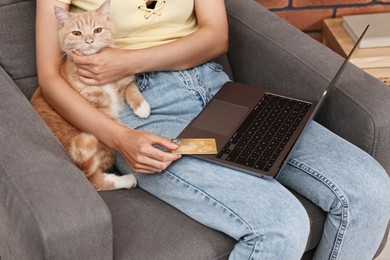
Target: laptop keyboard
{"points": [[264, 133]]}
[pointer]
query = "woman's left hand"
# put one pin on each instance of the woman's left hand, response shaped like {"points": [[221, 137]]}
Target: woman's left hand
{"points": [[101, 68]]}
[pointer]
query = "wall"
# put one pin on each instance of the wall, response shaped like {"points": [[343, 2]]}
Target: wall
{"points": [[307, 15]]}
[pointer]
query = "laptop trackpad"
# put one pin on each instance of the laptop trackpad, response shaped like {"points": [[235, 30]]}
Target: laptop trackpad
{"points": [[220, 117]]}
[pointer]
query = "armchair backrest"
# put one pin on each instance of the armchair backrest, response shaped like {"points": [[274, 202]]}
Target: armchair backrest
{"points": [[17, 43]]}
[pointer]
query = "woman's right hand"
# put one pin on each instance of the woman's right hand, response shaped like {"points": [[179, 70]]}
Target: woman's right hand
{"points": [[139, 151]]}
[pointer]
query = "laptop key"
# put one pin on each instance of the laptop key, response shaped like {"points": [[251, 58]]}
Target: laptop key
{"points": [[233, 155], [259, 165], [248, 163]]}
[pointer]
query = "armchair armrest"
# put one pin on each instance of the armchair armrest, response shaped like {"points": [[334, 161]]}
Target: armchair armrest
{"points": [[267, 51], [48, 209]]}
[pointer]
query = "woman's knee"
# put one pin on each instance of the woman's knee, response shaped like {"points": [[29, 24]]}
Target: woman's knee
{"points": [[373, 190], [287, 235]]}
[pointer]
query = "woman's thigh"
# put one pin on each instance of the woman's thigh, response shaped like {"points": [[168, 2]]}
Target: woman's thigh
{"points": [[347, 183]]}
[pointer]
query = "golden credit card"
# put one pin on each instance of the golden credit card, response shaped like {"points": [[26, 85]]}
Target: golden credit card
{"points": [[195, 146]]}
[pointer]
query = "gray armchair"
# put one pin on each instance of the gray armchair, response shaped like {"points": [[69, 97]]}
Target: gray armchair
{"points": [[48, 210]]}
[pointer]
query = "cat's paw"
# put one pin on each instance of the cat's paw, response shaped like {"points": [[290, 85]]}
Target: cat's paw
{"points": [[112, 181], [143, 111], [127, 181], [131, 181]]}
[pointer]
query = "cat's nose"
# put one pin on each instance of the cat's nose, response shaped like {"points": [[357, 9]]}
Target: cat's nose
{"points": [[89, 40]]}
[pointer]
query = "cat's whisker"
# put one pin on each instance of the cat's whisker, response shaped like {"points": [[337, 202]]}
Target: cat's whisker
{"points": [[65, 54]]}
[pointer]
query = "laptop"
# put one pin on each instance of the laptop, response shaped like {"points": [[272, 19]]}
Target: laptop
{"points": [[255, 130]]}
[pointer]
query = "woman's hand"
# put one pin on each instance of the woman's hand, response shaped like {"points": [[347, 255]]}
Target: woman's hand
{"points": [[138, 149], [108, 65]]}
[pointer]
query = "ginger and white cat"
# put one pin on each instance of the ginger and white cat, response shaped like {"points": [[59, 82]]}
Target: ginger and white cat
{"points": [[88, 33]]}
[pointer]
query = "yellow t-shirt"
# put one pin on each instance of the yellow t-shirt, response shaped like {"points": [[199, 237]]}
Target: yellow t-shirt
{"points": [[139, 27]]}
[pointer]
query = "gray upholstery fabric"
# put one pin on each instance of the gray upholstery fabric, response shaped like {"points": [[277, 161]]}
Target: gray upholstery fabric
{"points": [[146, 228], [17, 43], [46, 204], [48, 210]]}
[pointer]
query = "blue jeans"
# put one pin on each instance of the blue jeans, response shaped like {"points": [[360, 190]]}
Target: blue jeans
{"points": [[262, 215]]}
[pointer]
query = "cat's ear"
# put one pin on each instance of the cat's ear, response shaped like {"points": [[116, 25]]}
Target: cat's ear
{"points": [[61, 14], [104, 9]]}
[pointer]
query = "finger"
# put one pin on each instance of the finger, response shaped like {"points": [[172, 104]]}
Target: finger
{"points": [[151, 160], [144, 169], [81, 59], [92, 69], [75, 56], [148, 165], [162, 156], [165, 142], [149, 169], [77, 52], [156, 158], [82, 71], [90, 81]]}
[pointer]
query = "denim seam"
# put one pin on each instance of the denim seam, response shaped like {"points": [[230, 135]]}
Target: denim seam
{"points": [[339, 195], [201, 89], [255, 251], [214, 201], [188, 79]]}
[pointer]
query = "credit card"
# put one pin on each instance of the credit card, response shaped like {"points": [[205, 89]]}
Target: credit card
{"points": [[195, 146]]}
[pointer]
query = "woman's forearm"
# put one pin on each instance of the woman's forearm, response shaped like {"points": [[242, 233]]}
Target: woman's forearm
{"points": [[178, 55], [78, 111]]}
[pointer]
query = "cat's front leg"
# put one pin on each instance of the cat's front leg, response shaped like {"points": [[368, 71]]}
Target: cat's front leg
{"points": [[136, 101], [103, 98], [143, 111]]}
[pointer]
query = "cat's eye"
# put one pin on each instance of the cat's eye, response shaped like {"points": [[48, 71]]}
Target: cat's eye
{"points": [[98, 30], [76, 33]]}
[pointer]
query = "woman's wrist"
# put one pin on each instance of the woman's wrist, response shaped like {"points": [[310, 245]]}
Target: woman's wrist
{"points": [[115, 135], [131, 58]]}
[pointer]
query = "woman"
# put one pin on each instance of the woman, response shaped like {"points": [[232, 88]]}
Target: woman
{"points": [[176, 78]]}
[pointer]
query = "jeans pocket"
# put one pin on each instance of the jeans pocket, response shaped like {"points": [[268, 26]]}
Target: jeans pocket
{"points": [[214, 66], [143, 78]]}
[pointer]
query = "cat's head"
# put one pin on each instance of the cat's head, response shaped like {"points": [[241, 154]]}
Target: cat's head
{"points": [[86, 32]]}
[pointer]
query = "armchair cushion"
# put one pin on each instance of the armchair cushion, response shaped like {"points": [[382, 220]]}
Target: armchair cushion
{"points": [[147, 228]]}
